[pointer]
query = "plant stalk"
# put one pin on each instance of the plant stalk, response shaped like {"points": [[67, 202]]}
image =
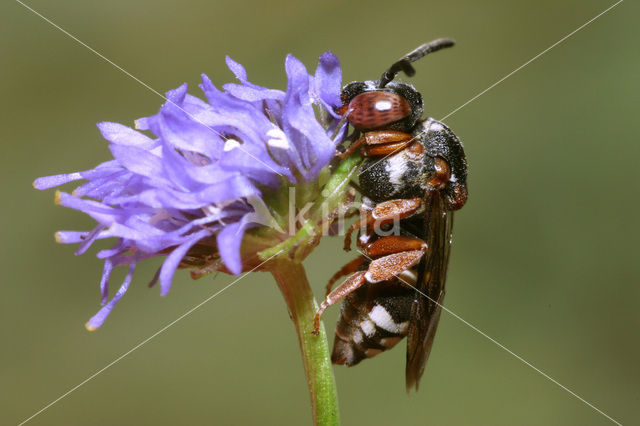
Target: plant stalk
{"points": [[292, 282]]}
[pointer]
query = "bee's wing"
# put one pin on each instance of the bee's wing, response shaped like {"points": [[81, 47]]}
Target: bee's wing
{"points": [[432, 274]]}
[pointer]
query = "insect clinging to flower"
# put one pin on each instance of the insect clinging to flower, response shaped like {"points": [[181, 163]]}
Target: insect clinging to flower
{"points": [[192, 181], [414, 174]]}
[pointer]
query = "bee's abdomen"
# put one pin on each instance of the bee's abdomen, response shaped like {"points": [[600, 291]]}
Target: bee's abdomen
{"points": [[374, 318]]}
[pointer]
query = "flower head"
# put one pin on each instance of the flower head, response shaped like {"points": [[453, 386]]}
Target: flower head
{"points": [[190, 187]]}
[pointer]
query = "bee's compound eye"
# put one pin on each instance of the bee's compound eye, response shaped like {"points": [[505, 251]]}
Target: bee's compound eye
{"points": [[372, 110]]}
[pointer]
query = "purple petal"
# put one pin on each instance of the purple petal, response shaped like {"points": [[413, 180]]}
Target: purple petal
{"points": [[96, 321], [55, 180], [140, 233], [122, 135], [139, 161], [70, 237], [105, 254], [229, 241], [300, 124], [105, 169], [89, 239], [237, 69], [176, 96], [101, 213], [173, 260], [252, 94], [104, 280], [117, 249], [328, 80], [102, 187], [232, 187], [191, 133]]}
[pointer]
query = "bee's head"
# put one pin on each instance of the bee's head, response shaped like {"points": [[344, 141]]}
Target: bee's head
{"points": [[398, 106], [388, 104]]}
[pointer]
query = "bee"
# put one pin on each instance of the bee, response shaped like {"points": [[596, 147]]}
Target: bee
{"points": [[413, 175]]}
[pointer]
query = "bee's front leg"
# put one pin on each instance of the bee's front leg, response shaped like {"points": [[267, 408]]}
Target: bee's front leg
{"points": [[379, 142]]}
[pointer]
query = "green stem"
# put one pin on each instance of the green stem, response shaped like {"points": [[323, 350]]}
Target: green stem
{"points": [[292, 281]]}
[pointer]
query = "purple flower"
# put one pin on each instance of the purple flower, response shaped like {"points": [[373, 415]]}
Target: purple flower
{"points": [[190, 187]]}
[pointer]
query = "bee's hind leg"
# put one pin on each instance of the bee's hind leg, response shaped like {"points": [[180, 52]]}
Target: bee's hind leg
{"points": [[348, 286], [347, 269]]}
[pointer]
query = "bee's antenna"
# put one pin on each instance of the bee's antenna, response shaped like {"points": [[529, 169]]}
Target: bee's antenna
{"points": [[404, 63]]}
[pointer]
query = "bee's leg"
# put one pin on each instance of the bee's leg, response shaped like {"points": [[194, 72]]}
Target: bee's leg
{"points": [[381, 214], [442, 173], [352, 148], [206, 270], [347, 236], [382, 269], [355, 225], [351, 284], [352, 213], [379, 142], [399, 253], [455, 193], [347, 269], [390, 211], [392, 244], [387, 211], [385, 142], [388, 267], [386, 149]]}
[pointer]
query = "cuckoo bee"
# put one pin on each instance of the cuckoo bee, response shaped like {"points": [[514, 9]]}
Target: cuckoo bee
{"points": [[414, 174]]}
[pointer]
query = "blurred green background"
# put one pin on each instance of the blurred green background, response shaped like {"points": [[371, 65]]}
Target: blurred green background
{"points": [[545, 258]]}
